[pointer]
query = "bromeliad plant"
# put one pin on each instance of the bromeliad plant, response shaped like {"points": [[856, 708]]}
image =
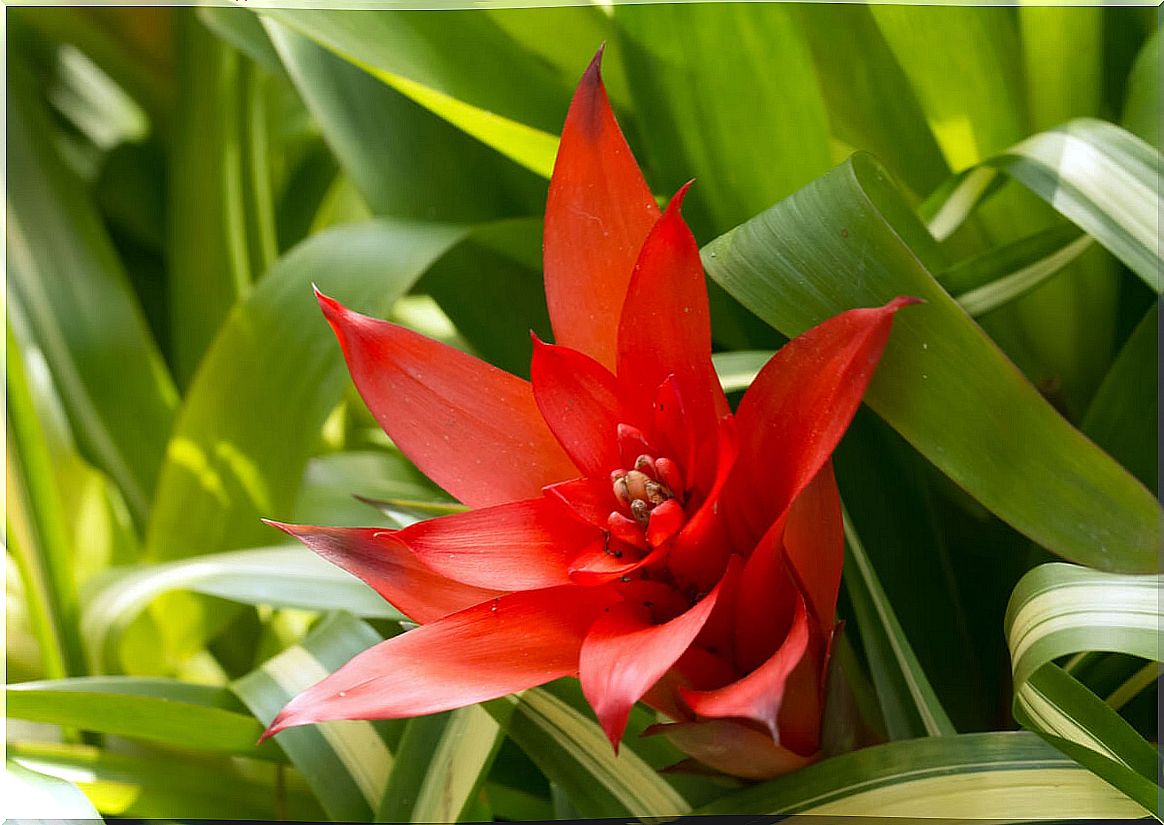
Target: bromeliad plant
{"points": [[626, 527]]}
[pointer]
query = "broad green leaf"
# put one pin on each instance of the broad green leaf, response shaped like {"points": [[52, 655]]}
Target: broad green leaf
{"points": [[908, 702], [1058, 610], [871, 104], [184, 715], [1062, 50], [282, 576], [745, 150], [515, 106], [1097, 175], [440, 763], [942, 384], [491, 289], [1124, 415], [1141, 114], [571, 749], [346, 764], [34, 796], [209, 262], [253, 414], [406, 161], [73, 293], [964, 66], [160, 785], [970, 776]]}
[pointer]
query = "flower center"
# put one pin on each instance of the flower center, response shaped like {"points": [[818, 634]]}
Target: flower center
{"points": [[640, 490]]}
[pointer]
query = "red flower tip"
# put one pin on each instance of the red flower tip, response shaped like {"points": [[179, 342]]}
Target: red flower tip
{"points": [[276, 726], [593, 74], [903, 301], [333, 310], [676, 204]]}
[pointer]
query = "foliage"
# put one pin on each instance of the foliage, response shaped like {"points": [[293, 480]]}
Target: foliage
{"points": [[178, 179]]}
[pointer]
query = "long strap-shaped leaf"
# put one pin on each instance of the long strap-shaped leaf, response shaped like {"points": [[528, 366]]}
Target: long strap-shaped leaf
{"points": [[908, 702], [1099, 176], [1058, 610], [571, 749], [346, 764], [282, 576], [970, 776], [440, 763], [849, 239], [200, 717]]}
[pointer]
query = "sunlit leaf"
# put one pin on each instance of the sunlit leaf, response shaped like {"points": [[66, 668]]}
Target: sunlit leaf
{"points": [[252, 417], [942, 383], [346, 764]]}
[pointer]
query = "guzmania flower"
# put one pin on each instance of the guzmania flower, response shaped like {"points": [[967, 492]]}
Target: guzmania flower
{"points": [[625, 526]]}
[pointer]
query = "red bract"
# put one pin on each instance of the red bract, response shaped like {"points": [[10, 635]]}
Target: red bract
{"points": [[627, 528]]}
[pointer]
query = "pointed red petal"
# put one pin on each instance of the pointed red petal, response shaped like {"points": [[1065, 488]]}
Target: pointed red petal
{"points": [[598, 212], [665, 328], [523, 545], [759, 695], [579, 399], [390, 569], [507, 644], [588, 499], [814, 543], [799, 406], [624, 655], [470, 427], [731, 747]]}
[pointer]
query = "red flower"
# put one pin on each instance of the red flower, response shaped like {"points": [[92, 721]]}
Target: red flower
{"points": [[626, 527]]}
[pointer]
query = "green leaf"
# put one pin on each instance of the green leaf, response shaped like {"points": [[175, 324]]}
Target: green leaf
{"points": [[1008, 272], [73, 292], [1062, 49], [1099, 176], [739, 368], [406, 161], [871, 104], [1142, 106], [253, 414], [36, 530], [908, 702], [491, 289], [433, 59], [345, 490], [283, 576], [965, 67], [184, 715], [686, 91], [162, 785], [34, 796], [1058, 610], [208, 265], [571, 749], [346, 764], [942, 383], [440, 764], [970, 776], [1124, 413]]}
